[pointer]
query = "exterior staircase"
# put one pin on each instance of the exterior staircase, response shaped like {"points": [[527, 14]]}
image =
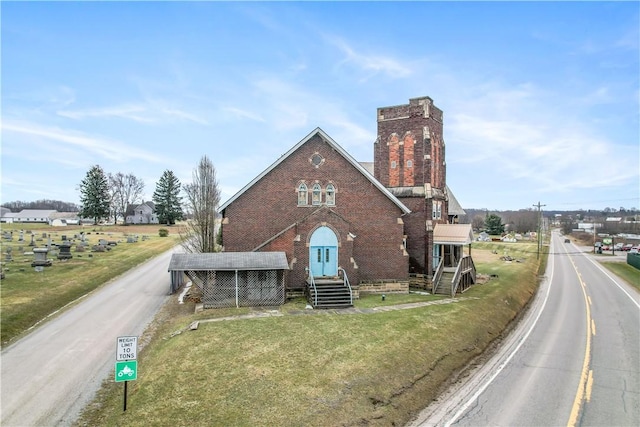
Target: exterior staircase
{"points": [[329, 292], [444, 284]]}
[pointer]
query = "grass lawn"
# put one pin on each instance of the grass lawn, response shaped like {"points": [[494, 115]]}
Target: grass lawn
{"points": [[317, 369], [629, 273], [27, 296]]}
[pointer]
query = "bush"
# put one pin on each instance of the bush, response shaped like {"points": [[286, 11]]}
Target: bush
{"points": [[163, 232]]}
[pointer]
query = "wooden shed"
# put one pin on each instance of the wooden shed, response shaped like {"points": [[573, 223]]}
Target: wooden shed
{"points": [[234, 279]]}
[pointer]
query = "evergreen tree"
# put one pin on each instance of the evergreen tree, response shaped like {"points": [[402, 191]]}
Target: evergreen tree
{"points": [[94, 195], [167, 200], [493, 224]]}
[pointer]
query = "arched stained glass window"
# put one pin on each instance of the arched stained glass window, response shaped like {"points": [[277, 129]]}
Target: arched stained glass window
{"points": [[303, 199], [316, 197], [331, 195]]}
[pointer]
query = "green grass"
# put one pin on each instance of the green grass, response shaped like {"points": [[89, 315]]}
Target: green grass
{"points": [[28, 296], [629, 273], [320, 369]]}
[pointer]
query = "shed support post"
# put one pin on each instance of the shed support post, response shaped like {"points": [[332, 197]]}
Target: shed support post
{"points": [[237, 303]]}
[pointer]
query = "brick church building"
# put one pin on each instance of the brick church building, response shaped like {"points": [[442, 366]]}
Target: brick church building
{"points": [[336, 218]]}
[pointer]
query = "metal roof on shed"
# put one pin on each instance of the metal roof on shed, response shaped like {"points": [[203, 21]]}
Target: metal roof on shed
{"points": [[229, 261], [452, 234]]}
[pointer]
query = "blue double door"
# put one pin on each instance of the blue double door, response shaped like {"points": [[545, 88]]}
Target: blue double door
{"points": [[323, 252]]}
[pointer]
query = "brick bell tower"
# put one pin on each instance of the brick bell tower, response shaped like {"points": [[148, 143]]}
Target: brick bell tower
{"points": [[409, 159]]}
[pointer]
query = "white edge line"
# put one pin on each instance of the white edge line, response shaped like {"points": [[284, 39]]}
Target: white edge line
{"points": [[606, 273], [508, 359]]}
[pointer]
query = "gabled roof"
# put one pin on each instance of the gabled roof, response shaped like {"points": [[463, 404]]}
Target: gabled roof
{"points": [[454, 206], [229, 261], [34, 213], [336, 147], [452, 234]]}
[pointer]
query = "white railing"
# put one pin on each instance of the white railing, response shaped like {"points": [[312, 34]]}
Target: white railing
{"points": [[436, 276], [346, 282], [312, 283]]}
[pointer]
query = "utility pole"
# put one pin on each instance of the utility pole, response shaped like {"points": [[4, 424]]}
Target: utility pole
{"points": [[539, 234]]}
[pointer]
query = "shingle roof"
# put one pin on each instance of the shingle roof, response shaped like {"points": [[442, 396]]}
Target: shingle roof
{"points": [[454, 205], [452, 234], [229, 261]]}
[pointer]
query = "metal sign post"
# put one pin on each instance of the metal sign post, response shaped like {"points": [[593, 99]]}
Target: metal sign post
{"points": [[126, 363]]}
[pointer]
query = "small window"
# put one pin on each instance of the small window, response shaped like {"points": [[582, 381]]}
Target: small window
{"points": [[302, 195], [409, 163], [316, 197], [437, 210], [393, 164], [317, 160], [331, 195]]}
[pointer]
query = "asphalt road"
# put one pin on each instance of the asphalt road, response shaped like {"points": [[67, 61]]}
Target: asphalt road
{"points": [[573, 360], [51, 374]]}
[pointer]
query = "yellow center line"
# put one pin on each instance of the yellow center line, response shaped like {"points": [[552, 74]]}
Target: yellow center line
{"points": [[586, 376]]}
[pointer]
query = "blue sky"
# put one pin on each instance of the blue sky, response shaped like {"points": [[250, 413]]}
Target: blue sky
{"points": [[540, 99]]}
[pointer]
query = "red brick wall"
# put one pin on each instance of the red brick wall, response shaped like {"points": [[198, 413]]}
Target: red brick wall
{"points": [[270, 206], [420, 125]]}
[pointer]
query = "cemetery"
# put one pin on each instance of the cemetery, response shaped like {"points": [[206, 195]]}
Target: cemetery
{"points": [[42, 268]]}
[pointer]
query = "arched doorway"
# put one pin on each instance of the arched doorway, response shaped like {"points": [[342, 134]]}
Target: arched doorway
{"points": [[323, 252]]}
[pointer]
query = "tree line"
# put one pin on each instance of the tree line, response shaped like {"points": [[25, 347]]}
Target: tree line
{"points": [[103, 196], [44, 204]]}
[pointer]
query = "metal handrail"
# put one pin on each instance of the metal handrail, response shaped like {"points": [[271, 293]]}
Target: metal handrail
{"points": [[312, 282], [437, 275], [346, 280]]}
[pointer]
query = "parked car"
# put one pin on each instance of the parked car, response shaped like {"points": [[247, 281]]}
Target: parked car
{"points": [[627, 247], [618, 246], [567, 240], [634, 250]]}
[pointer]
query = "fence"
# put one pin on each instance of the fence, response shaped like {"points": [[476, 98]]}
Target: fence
{"points": [[633, 259], [239, 288]]}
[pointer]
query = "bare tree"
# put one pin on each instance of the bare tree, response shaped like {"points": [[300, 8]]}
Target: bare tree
{"points": [[125, 190], [203, 199]]}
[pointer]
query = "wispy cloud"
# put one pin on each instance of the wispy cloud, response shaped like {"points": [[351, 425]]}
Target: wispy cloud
{"points": [[371, 63], [69, 139], [237, 112], [154, 111]]}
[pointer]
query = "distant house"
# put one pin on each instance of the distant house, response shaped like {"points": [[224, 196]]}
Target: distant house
{"points": [[484, 237], [29, 216], [143, 213], [62, 219]]}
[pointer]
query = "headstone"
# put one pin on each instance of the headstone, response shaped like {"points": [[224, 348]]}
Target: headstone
{"points": [[131, 239], [40, 260], [64, 237], [80, 247], [44, 235], [98, 248], [65, 251], [7, 236], [21, 236], [32, 242]]}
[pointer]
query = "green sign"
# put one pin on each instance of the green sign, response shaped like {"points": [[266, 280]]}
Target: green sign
{"points": [[127, 370], [607, 240]]}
